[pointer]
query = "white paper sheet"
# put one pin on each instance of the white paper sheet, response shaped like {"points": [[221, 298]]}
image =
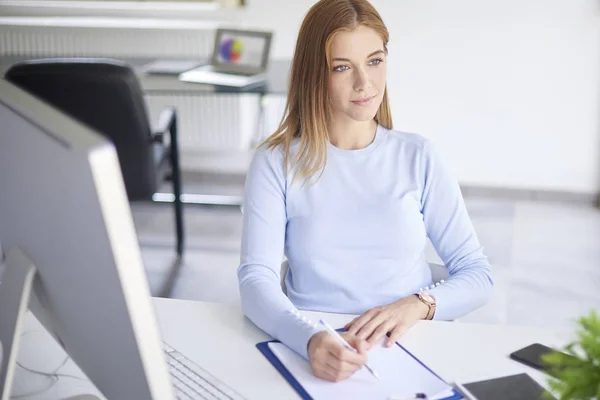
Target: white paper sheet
{"points": [[401, 376]]}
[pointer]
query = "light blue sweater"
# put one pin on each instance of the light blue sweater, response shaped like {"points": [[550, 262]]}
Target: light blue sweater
{"points": [[355, 240]]}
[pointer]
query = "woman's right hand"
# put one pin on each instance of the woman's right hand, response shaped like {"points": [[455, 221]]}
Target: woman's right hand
{"points": [[332, 361]]}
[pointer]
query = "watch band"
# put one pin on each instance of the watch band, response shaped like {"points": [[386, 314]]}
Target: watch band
{"points": [[431, 311]]}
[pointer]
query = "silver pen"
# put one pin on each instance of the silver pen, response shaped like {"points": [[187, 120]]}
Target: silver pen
{"points": [[341, 341], [415, 397]]}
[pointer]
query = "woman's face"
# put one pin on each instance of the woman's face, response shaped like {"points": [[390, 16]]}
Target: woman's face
{"points": [[358, 74]]}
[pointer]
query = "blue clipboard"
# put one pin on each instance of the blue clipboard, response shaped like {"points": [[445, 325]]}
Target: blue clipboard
{"points": [[263, 347]]}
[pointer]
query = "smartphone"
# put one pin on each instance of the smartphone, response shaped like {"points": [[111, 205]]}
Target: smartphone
{"points": [[532, 356], [513, 387]]}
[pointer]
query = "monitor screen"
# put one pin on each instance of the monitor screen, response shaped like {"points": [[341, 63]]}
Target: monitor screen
{"points": [[247, 49]]}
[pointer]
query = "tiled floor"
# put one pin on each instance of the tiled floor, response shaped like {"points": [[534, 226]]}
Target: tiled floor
{"points": [[545, 257]]}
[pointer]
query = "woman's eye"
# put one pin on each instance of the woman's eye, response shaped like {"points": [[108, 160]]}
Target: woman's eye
{"points": [[376, 61], [340, 68]]}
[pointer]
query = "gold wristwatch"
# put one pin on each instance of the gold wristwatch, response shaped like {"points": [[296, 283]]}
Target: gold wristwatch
{"points": [[429, 301]]}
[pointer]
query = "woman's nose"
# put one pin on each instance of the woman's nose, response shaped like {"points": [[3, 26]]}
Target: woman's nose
{"points": [[361, 81]]}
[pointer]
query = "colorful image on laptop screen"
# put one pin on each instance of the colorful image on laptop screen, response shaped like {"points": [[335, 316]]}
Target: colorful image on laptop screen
{"points": [[241, 50]]}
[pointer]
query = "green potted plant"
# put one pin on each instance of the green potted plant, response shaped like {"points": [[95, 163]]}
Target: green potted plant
{"points": [[578, 377]]}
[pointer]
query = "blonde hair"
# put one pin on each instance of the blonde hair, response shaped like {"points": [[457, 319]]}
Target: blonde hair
{"points": [[307, 109]]}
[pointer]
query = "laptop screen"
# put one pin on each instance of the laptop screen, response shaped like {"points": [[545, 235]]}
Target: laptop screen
{"points": [[242, 49]]}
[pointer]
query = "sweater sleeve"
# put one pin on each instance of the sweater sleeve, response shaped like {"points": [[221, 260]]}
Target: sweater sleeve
{"points": [[451, 232], [263, 238]]}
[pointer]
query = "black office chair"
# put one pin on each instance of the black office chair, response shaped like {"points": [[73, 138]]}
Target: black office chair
{"points": [[106, 96]]}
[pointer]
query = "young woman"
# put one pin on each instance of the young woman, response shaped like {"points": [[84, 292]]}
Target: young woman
{"points": [[351, 203]]}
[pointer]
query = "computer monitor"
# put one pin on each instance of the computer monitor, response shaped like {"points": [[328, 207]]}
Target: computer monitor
{"points": [[65, 221], [241, 51]]}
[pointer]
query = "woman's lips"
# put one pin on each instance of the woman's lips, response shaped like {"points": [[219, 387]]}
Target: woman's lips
{"points": [[364, 102]]}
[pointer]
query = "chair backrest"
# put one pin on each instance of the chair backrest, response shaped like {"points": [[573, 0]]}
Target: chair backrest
{"points": [[438, 272], [106, 96], [285, 266]]}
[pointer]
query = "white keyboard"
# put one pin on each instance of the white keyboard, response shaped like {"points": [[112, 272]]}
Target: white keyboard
{"points": [[190, 381], [206, 74]]}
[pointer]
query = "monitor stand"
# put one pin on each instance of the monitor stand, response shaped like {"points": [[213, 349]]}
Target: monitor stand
{"points": [[15, 292]]}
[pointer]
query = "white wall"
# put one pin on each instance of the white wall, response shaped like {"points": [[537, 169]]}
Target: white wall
{"points": [[509, 91]]}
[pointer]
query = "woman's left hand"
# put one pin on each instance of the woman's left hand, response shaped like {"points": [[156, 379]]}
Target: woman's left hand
{"points": [[395, 318]]}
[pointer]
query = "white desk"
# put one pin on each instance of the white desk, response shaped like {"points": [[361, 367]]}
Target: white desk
{"points": [[220, 339]]}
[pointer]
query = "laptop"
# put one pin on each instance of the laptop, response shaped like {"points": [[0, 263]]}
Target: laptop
{"points": [[239, 59]]}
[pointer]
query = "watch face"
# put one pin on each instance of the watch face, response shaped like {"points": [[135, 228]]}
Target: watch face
{"points": [[428, 298]]}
